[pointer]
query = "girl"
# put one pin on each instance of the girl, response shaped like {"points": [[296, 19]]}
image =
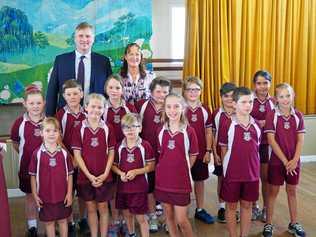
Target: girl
{"points": [[26, 137], [199, 117], [285, 130], [134, 158], [262, 104], [115, 109], [93, 145], [178, 148], [51, 179]]}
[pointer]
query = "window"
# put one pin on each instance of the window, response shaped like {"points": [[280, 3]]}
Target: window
{"points": [[178, 31]]}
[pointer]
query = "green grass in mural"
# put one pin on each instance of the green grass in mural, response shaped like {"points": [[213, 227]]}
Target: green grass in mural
{"points": [[8, 67]]}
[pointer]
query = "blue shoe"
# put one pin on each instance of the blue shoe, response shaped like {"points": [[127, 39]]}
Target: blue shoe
{"points": [[296, 229], [204, 216]]}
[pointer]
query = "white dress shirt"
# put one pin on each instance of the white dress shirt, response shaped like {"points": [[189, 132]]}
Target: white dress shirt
{"points": [[87, 70]]}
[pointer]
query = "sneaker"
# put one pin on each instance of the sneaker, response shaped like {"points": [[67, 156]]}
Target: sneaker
{"points": [[124, 229], [263, 215], [267, 230], [83, 226], [204, 216], [113, 230], [159, 210], [153, 225], [71, 229], [32, 232], [255, 213], [296, 229], [221, 215], [237, 216]]}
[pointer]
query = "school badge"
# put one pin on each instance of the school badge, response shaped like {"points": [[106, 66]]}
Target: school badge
{"points": [[157, 119], [262, 108], [130, 158], [76, 123], [247, 136], [194, 118], [94, 142], [52, 162], [171, 144], [117, 119], [287, 125], [37, 132]]}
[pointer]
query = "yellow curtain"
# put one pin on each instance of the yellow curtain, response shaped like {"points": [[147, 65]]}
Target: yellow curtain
{"points": [[229, 40]]}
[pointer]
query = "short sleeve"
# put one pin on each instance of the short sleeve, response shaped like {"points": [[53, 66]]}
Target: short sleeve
{"points": [[149, 153], [33, 164], [269, 125], [15, 130], [223, 133], [194, 147], [209, 120], [76, 141], [131, 108], [301, 126], [69, 164], [111, 137]]}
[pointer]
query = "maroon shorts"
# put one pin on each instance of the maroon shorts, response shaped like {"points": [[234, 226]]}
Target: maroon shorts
{"points": [[25, 183], [218, 171], [235, 191], [151, 182], [277, 175], [264, 153], [136, 203], [176, 199], [199, 170], [54, 212], [101, 194]]}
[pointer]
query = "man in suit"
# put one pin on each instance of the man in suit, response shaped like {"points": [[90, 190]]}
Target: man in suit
{"points": [[89, 68]]}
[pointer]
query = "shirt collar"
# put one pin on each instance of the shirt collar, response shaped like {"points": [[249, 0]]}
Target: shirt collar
{"points": [[44, 149], [279, 113], [109, 104], [67, 110], [138, 143], [129, 76], [87, 55], [86, 123], [183, 127]]}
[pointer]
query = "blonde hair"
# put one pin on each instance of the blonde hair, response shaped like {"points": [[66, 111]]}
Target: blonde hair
{"points": [[95, 96], [130, 119], [50, 121], [84, 25], [115, 77], [282, 86], [183, 119], [192, 80]]}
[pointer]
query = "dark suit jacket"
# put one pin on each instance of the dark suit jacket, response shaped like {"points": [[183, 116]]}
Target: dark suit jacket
{"points": [[64, 69]]}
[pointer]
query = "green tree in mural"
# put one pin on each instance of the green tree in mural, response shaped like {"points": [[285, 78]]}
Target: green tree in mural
{"points": [[40, 40], [70, 40], [16, 34]]}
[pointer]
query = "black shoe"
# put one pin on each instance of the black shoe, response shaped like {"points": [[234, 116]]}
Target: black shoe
{"points": [[32, 232], [83, 226], [297, 230], [221, 215], [267, 230], [71, 229]]}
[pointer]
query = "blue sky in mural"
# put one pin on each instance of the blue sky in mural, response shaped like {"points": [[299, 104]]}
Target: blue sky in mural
{"points": [[33, 32]]}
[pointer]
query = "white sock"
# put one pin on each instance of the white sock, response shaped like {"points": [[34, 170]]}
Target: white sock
{"points": [[222, 205], [199, 209], [32, 223], [153, 216]]}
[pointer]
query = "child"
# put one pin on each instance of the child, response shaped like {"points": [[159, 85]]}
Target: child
{"points": [[26, 137], [5, 229], [51, 179], [285, 129], [134, 158], [221, 116], [199, 117], [178, 148], [150, 112], [93, 145], [240, 148], [115, 109], [69, 116], [262, 104]]}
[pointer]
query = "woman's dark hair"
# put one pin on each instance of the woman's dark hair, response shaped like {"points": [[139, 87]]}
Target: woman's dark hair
{"points": [[226, 88], [262, 73], [124, 68]]}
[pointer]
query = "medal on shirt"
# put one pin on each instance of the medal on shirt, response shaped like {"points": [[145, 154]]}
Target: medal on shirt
{"points": [[37, 132], [262, 108], [286, 125], [94, 142], [130, 158], [117, 119], [247, 136], [52, 162], [194, 118], [171, 144], [157, 119]]}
